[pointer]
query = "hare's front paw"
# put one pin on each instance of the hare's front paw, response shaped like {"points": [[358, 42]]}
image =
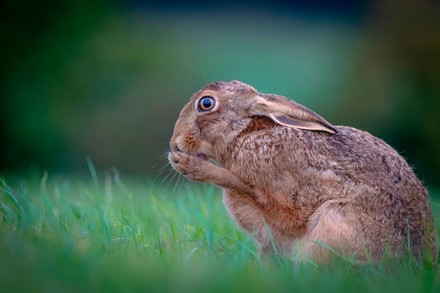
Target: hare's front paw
{"points": [[192, 167]]}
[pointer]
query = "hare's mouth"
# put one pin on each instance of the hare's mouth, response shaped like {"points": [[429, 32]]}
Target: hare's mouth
{"points": [[202, 156], [187, 144], [195, 154]]}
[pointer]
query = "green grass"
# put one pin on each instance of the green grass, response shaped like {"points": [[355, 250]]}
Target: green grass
{"points": [[72, 235]]}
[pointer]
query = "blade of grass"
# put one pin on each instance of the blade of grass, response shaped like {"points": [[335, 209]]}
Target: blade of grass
{"points": [[93, 173], [272, 242]]}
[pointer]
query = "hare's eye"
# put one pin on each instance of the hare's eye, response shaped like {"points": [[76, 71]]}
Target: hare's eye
{"points": [[206, 103]]}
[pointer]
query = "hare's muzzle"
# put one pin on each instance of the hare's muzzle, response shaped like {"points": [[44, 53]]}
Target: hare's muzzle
{"points": [[191, 145], [174, 147]]}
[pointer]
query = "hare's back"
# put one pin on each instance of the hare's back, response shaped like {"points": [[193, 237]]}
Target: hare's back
{"points": [[368, 159]]}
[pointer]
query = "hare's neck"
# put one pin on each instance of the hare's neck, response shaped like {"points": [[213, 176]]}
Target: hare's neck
{"points": [[226, 154], [228, 149]]}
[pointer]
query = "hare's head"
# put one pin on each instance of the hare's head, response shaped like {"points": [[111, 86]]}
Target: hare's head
{"points": [[218, 113]]}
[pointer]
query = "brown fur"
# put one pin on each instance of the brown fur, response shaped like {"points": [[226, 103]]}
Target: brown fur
{"points": [[281, 164]]}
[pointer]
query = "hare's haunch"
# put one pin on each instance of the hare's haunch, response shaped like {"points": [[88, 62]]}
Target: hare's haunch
{"points": [[282, 166]]}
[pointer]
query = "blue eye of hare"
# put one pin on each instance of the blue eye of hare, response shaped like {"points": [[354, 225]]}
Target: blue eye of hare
{"points": [[206, 103]]}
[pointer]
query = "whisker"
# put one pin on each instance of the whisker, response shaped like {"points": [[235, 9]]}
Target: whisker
{"points": [[171, 180], [163, 156], [161, 170], [168, 175], [175, 185]]}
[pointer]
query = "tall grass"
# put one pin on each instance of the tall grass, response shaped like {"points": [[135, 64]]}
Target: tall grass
{"points": [[70, 235]]}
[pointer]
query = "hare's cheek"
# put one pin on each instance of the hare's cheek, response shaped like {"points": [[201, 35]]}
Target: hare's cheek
{"points": [[206, 148]]}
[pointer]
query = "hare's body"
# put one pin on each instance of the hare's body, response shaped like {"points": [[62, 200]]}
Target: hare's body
{"points": [[312, 184], [304, 193]]}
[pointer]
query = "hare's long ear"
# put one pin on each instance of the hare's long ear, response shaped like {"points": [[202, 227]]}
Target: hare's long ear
{"points": [[289, 113]]}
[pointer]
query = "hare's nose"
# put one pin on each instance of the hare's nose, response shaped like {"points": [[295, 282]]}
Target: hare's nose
{"points": [[174, 147]]}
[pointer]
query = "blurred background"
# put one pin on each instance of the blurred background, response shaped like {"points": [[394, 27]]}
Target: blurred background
{"points": [[107, 79]]}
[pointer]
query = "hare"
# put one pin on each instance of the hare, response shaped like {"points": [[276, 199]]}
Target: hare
{"points": [[290, 176]]}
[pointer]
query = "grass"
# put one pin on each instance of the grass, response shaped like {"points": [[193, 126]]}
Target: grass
{"points": [[63, 235]]}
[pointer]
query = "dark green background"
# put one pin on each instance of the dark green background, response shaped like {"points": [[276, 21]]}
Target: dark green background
{"points": [[108, 79]]}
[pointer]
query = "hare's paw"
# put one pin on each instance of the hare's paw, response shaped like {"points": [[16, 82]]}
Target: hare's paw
{"points": [[192, 167]]}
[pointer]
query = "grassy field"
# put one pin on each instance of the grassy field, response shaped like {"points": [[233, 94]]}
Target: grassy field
{"points": [[84, 234]]}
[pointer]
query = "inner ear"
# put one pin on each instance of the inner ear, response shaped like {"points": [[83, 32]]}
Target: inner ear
{"points": [[287, 120], [289, 113]]}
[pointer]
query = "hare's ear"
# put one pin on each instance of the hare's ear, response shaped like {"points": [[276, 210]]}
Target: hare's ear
{"points": [[289, 113]]}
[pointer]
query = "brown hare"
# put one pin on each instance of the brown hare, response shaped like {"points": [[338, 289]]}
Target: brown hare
{"points": [[286, 170]]}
